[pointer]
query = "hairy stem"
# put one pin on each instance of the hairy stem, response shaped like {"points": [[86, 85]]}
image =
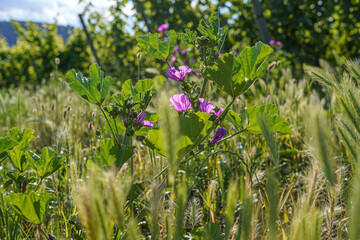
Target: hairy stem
{"points": [[111, 129]]}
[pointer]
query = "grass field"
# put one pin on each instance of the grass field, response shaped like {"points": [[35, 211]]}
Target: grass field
{"points": [[71, 168]]}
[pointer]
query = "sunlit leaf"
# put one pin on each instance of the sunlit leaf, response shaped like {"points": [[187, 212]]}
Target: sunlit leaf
{"points": [[193, 128], [109, 154], [152, 44], [45, 164], [236, 75], [268, 112], [93, 89], [33, 206], [18, 159], [188, 36], [16, 138]]}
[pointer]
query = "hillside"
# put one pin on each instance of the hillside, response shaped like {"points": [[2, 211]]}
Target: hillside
{"points": [[7, 31]]}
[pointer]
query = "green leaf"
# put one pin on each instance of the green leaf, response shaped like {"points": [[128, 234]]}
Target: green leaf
{"points": [[236, 75], [93, 89], [33, 206], [157, 48], [45, 164], [22, 139], [268, 112], [6, 144], [18, 159], [211, 29], [155, 141], [142, 92], [235, 119], [109, 154], [16, 138], [188, 36], [193, 128]]}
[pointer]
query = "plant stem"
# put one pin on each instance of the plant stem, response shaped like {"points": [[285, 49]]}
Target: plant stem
{"points": [[112, 131], [203, 87], [138, 77], [232, 135], [131, 162], [222, 116]]}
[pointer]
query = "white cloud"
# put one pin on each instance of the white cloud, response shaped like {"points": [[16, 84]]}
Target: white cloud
{"points": [[46, 11]]}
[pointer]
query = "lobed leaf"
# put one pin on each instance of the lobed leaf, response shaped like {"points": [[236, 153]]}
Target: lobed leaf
{"points": [[157, 48], [268, 113], [33, 206], [93, 89], [16, 139], [45, 164], [188, 36], [236, 75], [109, 154], [193, 128]]}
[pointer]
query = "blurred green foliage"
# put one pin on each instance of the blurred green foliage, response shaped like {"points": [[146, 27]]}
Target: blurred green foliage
{"points": [[309, 31]]}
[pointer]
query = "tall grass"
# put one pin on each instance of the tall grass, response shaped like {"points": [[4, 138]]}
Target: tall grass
{"points": [[299, 186]]}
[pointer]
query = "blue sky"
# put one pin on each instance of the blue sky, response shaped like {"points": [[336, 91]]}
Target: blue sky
{"points": [[46, 11]]}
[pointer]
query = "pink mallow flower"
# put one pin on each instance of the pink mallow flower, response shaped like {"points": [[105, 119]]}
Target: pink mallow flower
{"points": [[218, 112], [279, 44], [197, 73], [272, 42], [220, 54], [178, 75], [219, 134], [183, 52], [140, 120], [173, 59], [208, 107], [180, 102], [163, 27]]}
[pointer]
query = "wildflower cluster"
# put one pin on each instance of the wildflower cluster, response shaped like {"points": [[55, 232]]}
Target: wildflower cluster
{"points": [[273, 42]]}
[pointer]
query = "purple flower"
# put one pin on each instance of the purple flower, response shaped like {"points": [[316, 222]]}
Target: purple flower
{"points": [[140, 120], [193, 61], [220, 54], [176, 49], [173, 59], [218, 112], [163, 27], [278, 43], [198, 73], [206, 106], [147, 123], [178, 75], [235, 53], [180, 102], [272, 42], [219, 134], [51, 237], [183, 52]]}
